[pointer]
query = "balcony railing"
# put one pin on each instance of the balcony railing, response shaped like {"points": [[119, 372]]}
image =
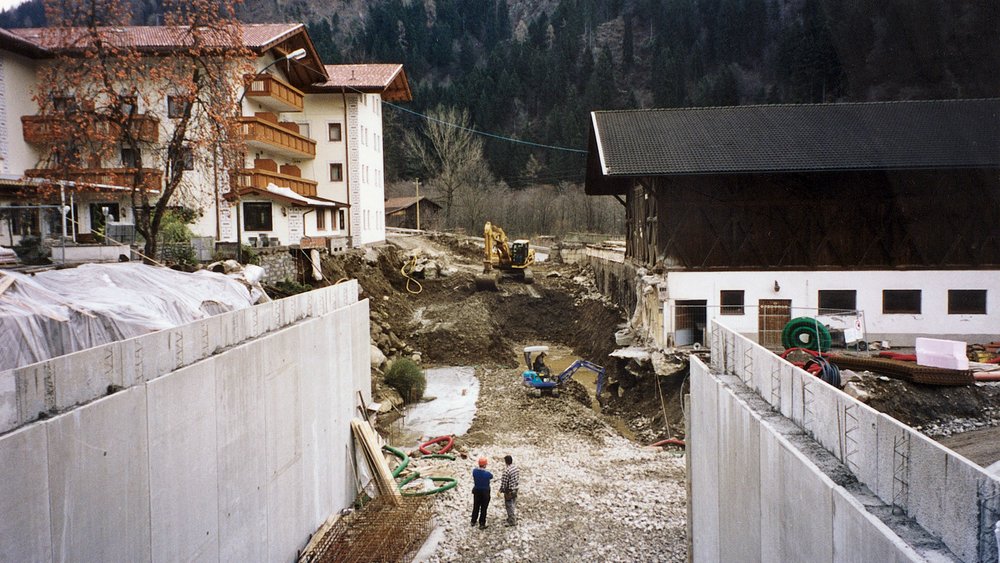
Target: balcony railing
{"points": [[259, 178], [44, 129], [271, 137], [123, 177], [273, 92]]}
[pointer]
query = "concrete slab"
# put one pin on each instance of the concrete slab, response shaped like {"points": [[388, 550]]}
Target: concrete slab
{"points": [[24, 488], [861, 441], [99, 480], [82, 376], [241, 463], [942, 488], [893, 452], [805, 505], [860, 537], [183, 470], [827, 416], [282, 375], [739, 480], [9, 417], [318, 392], [703, 441]]}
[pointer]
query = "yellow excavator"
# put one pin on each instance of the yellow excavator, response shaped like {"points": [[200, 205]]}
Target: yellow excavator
{"points": [[502, 257]]}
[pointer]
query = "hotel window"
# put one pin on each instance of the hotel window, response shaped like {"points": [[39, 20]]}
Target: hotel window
{"points": [[341, 219], [834, 301], [257, 216], [321, 219], [901, 301], [334, 132], [731, 301], [131, 158], [176, 106], [336, 172], [966, 301]]}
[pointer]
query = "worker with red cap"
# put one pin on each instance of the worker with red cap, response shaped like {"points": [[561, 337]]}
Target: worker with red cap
{"points": [[480, 493]]}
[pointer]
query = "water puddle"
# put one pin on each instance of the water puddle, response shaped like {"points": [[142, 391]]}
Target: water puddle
{"points": [[455, 390]]}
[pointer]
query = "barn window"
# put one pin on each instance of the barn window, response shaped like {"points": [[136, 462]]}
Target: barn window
{"points": [[731, 301], [966, 301], [901, 301], [835, 301]]}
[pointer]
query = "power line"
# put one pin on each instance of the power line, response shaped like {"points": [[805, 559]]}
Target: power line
{"points": [[483, 133]]}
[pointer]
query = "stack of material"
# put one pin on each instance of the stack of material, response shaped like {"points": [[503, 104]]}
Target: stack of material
{"points": [[907, 371], [372, 449], [381, 531]]}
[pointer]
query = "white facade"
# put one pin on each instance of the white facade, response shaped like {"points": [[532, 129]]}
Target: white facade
{"points": [[348, 206], [680, 289]]}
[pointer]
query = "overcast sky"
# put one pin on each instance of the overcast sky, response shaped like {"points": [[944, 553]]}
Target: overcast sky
{"points": [[5, 4]]}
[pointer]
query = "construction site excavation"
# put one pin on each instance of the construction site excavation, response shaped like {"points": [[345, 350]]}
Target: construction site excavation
{"points": [[603, 476]]}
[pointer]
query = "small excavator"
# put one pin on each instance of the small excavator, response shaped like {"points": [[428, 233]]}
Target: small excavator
{"points": [[504, 258], [538, 377]]}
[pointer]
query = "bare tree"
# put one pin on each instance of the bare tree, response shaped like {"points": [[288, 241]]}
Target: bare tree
{"points": [[161, 109], [450, 154]]}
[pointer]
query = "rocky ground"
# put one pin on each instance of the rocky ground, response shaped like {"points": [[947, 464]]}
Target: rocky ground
{"points": [[587, 493]]}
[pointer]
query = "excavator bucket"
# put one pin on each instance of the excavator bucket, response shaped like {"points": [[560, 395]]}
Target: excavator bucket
{"points": [[488, 282]]}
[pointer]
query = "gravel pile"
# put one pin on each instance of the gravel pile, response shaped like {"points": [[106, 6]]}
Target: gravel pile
{"points": [[586, 493]]}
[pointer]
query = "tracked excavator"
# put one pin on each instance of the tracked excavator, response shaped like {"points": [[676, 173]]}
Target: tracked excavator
{"points": [[504, 258]]}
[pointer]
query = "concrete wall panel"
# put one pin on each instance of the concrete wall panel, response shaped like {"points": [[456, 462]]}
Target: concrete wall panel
{"points": [[25, 524], [860, 537], [739, 478], [893, 471], [284, 443], [183, 468], [241, 430], [772, 485], [703, 439], [806, 508], [99, 478], [245, 452], [9, 415], [942, 488]]}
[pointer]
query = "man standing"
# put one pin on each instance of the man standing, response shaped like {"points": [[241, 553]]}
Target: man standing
{"points": [[480, 493], [508, 486]]}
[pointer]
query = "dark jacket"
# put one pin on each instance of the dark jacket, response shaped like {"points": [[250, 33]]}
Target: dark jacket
{"points": [[481, 479]]}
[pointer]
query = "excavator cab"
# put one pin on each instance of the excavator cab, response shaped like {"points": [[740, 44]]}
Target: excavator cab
{"points": [[519, 251], [541, 382]]}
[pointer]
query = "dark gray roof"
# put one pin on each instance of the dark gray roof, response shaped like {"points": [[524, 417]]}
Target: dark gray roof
{"points": [[797, 138]]}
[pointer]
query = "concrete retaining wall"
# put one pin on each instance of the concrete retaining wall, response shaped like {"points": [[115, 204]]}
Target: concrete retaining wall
{"points": [[230, 442], [786, 467]]}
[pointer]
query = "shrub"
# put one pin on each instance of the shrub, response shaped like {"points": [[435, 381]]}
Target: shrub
{"points": [[406, 377]]}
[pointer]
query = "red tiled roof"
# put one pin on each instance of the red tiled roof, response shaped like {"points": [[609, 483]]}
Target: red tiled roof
{"points": [[258, 37], [387, 79]]}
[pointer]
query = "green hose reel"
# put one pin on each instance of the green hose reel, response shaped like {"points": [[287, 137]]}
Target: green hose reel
{"points": [[806, 332]]}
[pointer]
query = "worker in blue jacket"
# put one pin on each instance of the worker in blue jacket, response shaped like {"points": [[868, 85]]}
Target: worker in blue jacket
{"points": [[480, 493]]}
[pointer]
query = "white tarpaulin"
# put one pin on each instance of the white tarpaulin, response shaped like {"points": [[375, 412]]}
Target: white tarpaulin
{"points": [[58, 312]]}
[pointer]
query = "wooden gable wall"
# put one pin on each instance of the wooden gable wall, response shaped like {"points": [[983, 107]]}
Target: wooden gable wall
{"points": [[834, 221]]}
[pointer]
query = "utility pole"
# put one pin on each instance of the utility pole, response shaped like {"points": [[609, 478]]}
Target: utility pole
{"points": [[417, 184]]}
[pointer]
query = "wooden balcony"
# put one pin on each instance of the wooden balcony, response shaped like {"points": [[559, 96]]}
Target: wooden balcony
{"points": [[274, 93], [260, 178], [122, 177], [46, 129], [270, 137]]}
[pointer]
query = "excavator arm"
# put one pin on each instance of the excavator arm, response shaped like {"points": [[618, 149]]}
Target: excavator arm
{"points": [[567, 374]]}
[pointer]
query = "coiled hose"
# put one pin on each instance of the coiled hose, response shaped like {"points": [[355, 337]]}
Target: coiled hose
{"points": [[412, 264], [806, 332]]}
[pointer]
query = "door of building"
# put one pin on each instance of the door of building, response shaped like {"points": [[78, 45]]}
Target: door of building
{"points": [[772, 316]]}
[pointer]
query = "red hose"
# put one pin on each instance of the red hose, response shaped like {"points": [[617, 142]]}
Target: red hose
{"points": [[898, 356], [987, 376], [449, 442], [668, 442]]}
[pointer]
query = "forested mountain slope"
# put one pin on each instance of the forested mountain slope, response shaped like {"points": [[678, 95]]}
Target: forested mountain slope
{"points": [[533, 69]]}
